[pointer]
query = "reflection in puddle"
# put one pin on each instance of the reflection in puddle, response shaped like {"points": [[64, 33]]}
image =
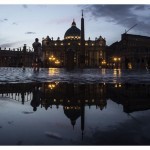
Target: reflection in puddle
{"points": [[76, 103], [72, 96]]}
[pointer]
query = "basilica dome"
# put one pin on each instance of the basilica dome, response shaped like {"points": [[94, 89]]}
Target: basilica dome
{"points": [[73, 32], [73, 113]]}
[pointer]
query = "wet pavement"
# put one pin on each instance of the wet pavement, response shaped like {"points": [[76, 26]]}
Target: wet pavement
{"points": [[18, 75], [80, 107]]}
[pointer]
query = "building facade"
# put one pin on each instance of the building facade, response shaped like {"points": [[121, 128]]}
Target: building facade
{"points": [[16, 57], [132, 52], [74, 51]]}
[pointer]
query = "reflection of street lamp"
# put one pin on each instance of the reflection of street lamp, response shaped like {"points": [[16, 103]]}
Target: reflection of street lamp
{"points": [[51, 71], [51, 86], [118, 85]]}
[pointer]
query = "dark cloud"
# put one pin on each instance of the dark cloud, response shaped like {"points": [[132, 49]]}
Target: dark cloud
{"points": [[14, 23], [3, 20], [25, 6], [30, 33], [124, 15]]}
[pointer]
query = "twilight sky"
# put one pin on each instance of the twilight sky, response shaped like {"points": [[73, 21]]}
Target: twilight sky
{"points": [[21, 24]]}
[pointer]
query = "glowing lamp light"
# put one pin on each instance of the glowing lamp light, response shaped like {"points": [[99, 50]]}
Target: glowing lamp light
{"points": [[52, 58], [57, 62], [115, 59], [103, 62], [51, 86]]}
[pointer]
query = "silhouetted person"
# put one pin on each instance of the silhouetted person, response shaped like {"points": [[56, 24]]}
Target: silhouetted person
{"points": [[22, 97], [37, 54], [36, 98]]}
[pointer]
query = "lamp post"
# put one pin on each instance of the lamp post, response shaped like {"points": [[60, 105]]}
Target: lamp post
{"points": [[117, 61], [54, 61]]}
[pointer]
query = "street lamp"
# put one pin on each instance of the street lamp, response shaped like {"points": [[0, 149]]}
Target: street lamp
{"points": [[52, 58], [103, 63], [57, 62], [117, 61]]}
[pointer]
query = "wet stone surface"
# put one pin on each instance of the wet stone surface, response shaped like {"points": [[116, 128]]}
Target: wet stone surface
{"points": [[18, 75]]}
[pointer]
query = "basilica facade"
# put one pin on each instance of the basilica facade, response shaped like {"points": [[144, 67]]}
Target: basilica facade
{"points": [[74, 51]]}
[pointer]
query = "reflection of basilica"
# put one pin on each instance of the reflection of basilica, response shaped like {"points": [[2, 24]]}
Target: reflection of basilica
{"points": [[75, 97]]}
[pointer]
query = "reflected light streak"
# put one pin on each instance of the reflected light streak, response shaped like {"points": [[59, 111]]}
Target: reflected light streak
{"points": [[53, 71], [117, 72], [103, 71]]}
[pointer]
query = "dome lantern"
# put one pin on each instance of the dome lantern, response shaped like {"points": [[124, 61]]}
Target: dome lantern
{"points": [[73, 33]]}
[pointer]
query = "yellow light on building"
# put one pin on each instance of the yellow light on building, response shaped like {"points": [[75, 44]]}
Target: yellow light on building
{"points": [[68, 43], [115, 59], [103, 62], [129, 65]]}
